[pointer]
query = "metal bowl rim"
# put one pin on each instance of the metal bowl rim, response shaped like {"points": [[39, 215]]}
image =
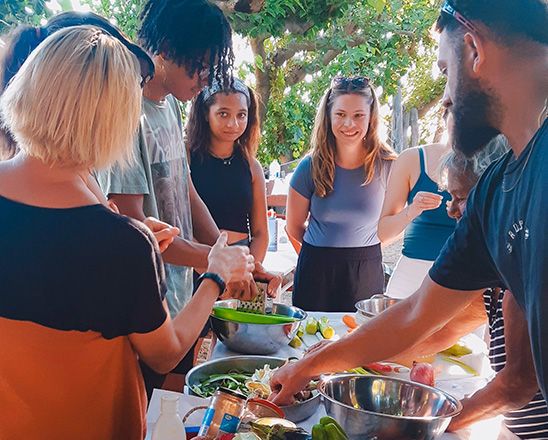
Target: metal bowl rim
{"points": [[305, 315], [370, 314], [456, 411], [318, 395], [214, 361]]}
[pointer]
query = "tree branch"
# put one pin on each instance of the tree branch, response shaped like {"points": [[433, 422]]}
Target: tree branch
{"points": [[245, 6], [262, 78], [298, 73]]}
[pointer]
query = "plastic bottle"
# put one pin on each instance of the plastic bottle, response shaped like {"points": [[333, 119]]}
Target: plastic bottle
{"points": [[272, 231], [169, 425], [274, 170]]}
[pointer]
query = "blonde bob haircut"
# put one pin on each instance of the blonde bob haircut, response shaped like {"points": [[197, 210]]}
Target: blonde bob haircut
{"points": [[323, 145], [76, 100]]}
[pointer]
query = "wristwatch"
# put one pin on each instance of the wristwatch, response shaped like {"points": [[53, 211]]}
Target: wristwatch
{"points": [[215, 278]]}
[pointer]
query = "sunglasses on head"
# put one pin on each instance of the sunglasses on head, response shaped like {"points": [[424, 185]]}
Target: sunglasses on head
{"points": [[349, 83], [450, 10]]}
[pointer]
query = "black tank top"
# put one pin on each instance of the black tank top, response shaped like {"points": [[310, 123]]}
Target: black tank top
{"points": [[225, 187]]}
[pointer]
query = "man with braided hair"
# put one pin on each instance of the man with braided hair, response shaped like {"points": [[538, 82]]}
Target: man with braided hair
{"points": [[190, 42]]}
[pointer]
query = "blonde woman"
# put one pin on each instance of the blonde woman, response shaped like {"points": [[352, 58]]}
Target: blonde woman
{"points": [[82, 287], [339, 188]]}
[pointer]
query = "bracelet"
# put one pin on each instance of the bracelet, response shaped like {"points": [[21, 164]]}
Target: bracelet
{"points": [[215, 278]]}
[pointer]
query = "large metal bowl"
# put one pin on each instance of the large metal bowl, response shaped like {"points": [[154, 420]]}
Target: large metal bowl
{"points": [[386, 408], [369, 308], [248, 364], [256, 338]]}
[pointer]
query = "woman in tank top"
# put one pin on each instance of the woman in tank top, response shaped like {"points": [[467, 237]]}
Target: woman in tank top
{"points": [[415, 204], [223, 136], [339, 188]]}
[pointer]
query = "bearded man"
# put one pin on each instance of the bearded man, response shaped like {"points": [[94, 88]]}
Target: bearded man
{"points": [[495, 56]]}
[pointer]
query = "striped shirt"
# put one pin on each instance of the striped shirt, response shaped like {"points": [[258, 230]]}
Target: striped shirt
{"points": [[531, 421]]}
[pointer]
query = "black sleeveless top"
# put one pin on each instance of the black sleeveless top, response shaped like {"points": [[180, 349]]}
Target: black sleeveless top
{"points": [[225, 187]]}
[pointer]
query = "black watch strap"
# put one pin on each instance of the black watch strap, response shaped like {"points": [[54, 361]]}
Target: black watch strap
{"points": [[215, 278]]}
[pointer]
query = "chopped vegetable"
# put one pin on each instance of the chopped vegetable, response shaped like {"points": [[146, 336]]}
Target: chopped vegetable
{"points": [[278, 432], [296, 342], [457, 350], [379, 367], [328, 429], [311, 326], [255, 385], [350, 322], [461, 364], [325, 328], [318, 432], [359, 370]]}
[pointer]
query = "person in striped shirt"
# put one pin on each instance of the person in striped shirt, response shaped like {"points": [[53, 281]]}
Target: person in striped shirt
{"points": [[525, 410]]}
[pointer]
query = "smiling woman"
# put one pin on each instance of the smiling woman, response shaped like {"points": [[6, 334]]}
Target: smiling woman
{"points": [[340, 189]]}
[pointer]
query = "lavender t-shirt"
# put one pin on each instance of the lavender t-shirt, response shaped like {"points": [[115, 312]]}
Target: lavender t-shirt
{"points": [[348, 217]]}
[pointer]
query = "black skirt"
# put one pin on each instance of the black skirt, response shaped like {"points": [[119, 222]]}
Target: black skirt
{"points": [[333, 279]]}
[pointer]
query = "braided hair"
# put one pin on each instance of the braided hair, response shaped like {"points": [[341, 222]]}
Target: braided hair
{"points": [[190, 33]]}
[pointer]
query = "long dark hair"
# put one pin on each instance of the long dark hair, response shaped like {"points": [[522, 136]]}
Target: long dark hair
{"points": [[198, 132], [21, 41]]}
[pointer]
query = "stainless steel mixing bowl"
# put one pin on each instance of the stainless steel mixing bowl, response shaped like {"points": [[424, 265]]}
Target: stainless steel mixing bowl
{"points": [[256, 338], [369, 308], [248, 364], [386, 408]]}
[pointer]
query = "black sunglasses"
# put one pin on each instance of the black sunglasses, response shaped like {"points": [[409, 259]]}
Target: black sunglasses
{"points": [[349, 83]]}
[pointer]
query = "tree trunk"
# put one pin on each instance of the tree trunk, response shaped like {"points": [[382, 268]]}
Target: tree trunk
{"points": [[440, 129], [414, 123], [262, 77], [397, 121], [405, 129]]}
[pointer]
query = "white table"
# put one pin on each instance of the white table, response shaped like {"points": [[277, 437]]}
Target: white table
{"points": [[485, 430]]}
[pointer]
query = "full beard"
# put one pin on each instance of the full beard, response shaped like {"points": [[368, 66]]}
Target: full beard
{"points": [[475, 116]]}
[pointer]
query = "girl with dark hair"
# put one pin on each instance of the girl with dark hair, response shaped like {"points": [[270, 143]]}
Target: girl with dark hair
{"points": [[340, 189], [223, 135]]}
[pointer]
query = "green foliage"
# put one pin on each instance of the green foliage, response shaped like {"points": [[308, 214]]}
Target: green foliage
{"points": [[304, 43], [14, 12], [277, 15], [376, 38], [423, 86], [125, 13]]}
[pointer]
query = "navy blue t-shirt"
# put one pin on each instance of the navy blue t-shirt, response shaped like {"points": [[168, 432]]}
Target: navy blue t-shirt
{"points": [[502, 237]]}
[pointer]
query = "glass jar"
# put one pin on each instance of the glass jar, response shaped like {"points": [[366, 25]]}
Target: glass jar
{"points": [[223, 414]]}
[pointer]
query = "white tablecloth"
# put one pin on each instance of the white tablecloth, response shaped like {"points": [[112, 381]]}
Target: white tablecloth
{"points": [[486, 430]]}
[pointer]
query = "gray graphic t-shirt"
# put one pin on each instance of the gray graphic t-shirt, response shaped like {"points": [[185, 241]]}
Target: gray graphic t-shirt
{"points": [[160, 172]]}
